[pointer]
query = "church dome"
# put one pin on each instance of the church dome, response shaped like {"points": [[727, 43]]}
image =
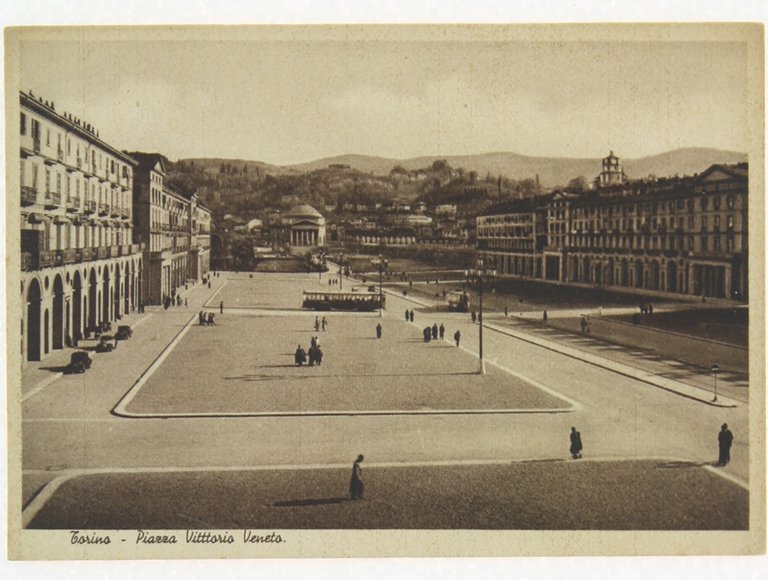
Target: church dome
{"points": [[305, 211]]}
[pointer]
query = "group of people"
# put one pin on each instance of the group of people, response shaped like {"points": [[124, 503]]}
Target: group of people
{"points": [[205, 318], [320, 324], [313, 357], [173, 300], [333, 281], [433, 332], [408, 315]]}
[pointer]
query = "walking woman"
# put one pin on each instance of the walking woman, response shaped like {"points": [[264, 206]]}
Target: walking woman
{"points": [[356, 483]]}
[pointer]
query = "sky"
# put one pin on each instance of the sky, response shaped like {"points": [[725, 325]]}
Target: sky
{"points": [[292, 100]]}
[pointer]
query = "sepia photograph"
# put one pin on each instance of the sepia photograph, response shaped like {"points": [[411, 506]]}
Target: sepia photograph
{"points": [[376, 291]]}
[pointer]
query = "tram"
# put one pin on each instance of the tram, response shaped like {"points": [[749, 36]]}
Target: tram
{"points": [[361, 302], [458, 301]]}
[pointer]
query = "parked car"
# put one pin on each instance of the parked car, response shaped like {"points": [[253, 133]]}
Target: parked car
{"points": [[79, 362], [107, 343], [124, 332]]}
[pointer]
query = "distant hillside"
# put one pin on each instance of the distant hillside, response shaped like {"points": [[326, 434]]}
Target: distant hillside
{"points": [[551, 170]]}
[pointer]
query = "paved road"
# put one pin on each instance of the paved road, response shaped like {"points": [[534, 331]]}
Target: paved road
{"points": [[68, 425]]}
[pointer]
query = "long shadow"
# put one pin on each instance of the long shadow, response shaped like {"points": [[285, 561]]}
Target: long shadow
{"points": [[310, 502], [60, 369], [362, 375], [683, 464]]}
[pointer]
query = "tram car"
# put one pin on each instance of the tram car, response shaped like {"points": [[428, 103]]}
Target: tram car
{"points": [[358, 301], [458, 301]]}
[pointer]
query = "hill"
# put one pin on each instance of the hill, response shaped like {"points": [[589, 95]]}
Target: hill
{"points": [[552, 171]]}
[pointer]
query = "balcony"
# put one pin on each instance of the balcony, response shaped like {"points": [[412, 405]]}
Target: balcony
{"points": [[103, 209], [114, 212], [52, 200], [28, 195], [113, 251], [28, 261], [102, 253], [90, 206], [67, 256], [87, 254], [36, 145], [125, 213], [73, 203], [49, 259], [60, 154]]}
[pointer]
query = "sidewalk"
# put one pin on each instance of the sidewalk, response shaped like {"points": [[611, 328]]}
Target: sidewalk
{"points": [[37, 375], [652, 372]]}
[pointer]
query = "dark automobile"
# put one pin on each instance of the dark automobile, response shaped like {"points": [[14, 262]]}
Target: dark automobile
{"points": [[124, 332], [107, 343], [79, 362]]}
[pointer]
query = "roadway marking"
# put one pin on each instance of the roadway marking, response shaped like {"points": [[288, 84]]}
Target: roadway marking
{"points": [[39, 501], [42, 385]]}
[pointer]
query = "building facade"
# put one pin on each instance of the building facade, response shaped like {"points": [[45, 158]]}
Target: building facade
{"points": [[306, 226], [173, 228], [80, 267], [665, 237]]}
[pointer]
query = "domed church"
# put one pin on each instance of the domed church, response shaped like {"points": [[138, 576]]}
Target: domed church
{"points": [[307, 226]]}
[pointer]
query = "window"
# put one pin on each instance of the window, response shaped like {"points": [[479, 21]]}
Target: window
{"points": [[58, 182], [716, 202], [731, 201], [48, 137], [690, 242], [704, 243], [704, 202], [717, 221], [716, 243], [704, 223], [47, 181], [69, 146], [690, 222], [23, 124], [730, 222], [729, 243]]}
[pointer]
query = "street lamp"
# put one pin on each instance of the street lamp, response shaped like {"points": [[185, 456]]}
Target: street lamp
{"points": [[382, 263], [480, 274], [715, 370], [341, 266]]}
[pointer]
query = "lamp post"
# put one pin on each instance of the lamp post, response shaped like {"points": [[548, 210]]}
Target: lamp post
{"points": [[382, 263], [480, 273], [715, 370], [341, 267]]}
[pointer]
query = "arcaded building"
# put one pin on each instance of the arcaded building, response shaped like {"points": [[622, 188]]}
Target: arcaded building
{"points": [[79, 265], [663, 237]]}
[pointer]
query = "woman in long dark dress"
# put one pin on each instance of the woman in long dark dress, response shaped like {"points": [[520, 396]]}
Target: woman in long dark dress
{"points": [[575, 444], [356, 483]]}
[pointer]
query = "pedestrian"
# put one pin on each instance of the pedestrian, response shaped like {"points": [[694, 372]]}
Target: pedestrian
{"points": [[426, 333], [317, 324], [506, 312], [201, 318], [312, 350], [378, 330], [221, 307], [356, 486], [186, 304], [474, 317], [313, 342], [442, 331], [209, 283], [318, 355], [650, 309], [324, 323], [407, 315], [210, 319], [583, 325], [576, 445], [457, 337], [329, 281], [725, 440], [434, 331], [411, 315], [544, 316], [300, 357]]}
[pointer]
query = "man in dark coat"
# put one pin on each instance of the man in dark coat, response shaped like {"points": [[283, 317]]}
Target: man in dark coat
{"points": [[356, 486], [457, 337], [378, 331], [725, 440], [300, 357], [576, 445], [318, 355], [411, 315], [442, 331], [474, 317], [427, 334], [434, 331], [407, 315]]}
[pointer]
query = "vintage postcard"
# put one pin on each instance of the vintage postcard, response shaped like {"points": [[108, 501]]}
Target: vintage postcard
{"points": [[375, 291]]}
